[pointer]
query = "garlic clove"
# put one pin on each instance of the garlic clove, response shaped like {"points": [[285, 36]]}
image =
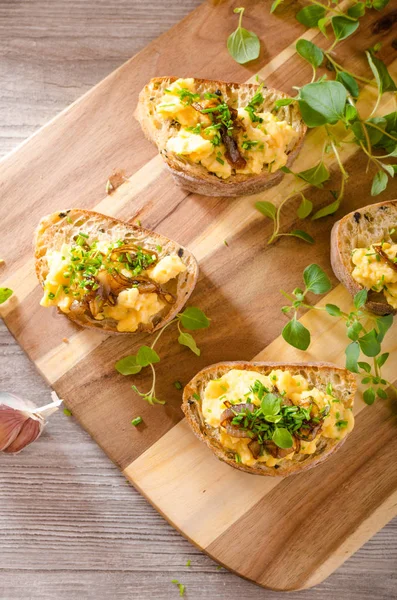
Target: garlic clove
{"points": [[21, 422], [29, 432], [11, 423]]}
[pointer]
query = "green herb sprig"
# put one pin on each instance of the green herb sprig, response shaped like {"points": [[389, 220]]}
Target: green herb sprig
{"points": [[243, 45], [323, 14], [193, 319], [363, 339], [328, 104], [272, 420]]}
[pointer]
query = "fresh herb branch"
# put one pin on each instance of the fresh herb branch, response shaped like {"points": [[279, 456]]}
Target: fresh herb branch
{"points": [[323, 14], [243, 45], [328, 104], [364, 338], [192, 318]]}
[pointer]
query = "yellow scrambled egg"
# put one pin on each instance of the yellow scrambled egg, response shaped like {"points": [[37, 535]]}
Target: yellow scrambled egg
{"points": [[234, 387], [263, 143], [373, 272], [131, 309]]}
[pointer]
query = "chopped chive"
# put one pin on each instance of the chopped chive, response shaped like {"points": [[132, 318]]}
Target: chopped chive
{"points": [[180, 586], [178, 385], [67, 412], [137, 421]]}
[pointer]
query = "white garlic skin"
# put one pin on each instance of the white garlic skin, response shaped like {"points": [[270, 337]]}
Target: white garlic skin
{"points": [[21, 422]]}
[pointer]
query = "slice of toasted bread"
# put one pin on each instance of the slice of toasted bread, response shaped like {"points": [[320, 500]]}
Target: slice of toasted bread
{"points": [[360, 229], [195, 177], [61, 227], [318, 375]]}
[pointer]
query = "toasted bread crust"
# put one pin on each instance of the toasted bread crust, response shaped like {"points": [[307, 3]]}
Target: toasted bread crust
{"points": [[57, 228], [196, 178], [320, 373], [361, 228]]}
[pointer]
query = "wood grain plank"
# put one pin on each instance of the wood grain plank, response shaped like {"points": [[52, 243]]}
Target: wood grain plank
{"points": [[74, 528], [50, 55], [83, 371], [197, 471]]}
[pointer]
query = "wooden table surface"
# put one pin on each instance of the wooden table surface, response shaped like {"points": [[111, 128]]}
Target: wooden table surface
{"points": [[64, 532]]}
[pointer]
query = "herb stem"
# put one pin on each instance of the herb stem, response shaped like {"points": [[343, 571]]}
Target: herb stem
{"points": [[240, 20], [339, 67], [161, 332], [382, 130], [335, 10], [288, 296]]}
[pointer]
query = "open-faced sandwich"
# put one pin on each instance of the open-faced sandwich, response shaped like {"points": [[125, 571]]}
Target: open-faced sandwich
{"points": [[220, 139], [269, 418], [364, 254], [105, 273]]}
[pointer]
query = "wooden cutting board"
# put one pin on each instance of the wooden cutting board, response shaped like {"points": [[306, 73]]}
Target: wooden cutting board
{"points": [[283, 534]]}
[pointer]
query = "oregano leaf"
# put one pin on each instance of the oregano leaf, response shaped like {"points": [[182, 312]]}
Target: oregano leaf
{"points": [[243, 45], [310, 52], [302, 235], [310, 15], [305, 208], [296, 335], [266, 208], [147, 356], [128, 365], [352, 353], [185, 339], [193, 318], [316, 280], [379, 183], [343, 27]]}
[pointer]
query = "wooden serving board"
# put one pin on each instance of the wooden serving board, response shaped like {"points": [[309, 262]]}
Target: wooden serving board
{"points": [[283, 534]]}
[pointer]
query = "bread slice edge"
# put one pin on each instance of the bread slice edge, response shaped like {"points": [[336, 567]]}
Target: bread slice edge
{"points": [[214, 371], [185, 284]]}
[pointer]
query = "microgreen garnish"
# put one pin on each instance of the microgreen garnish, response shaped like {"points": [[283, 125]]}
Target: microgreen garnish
{"points": [[363, 339], [254, 104], [243, 45], [330, 104], [180, 586], [272, 420], [193, 319], [5, 293], [343, 24], [186, 96], [86, 260]]}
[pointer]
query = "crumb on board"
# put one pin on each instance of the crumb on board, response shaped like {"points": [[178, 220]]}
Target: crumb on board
{"points": [[116, 179], [65, 340]]}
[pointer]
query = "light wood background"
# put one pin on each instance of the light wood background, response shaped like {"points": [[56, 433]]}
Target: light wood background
{"points": [[64, 532]]}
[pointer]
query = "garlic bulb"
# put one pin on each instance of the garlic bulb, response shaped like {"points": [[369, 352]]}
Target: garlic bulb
{"points": [[21, 422]]}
